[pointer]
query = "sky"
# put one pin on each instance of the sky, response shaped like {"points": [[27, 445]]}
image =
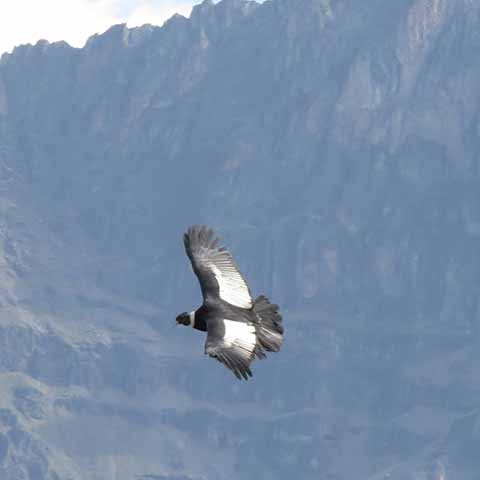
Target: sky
{"points": [[27, 21]]}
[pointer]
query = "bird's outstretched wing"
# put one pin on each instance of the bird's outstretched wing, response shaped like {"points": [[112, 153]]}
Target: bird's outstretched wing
{"points": [[234, 344], [215, 268]]}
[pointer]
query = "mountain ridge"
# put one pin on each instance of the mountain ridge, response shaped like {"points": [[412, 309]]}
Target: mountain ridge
{"points": [[226, 11]]}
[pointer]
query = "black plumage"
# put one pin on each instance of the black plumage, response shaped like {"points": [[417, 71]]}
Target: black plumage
{"points": [[239, 329]]}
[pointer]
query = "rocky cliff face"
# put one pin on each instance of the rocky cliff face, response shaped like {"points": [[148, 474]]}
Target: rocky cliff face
{"points": [[335, 146]]}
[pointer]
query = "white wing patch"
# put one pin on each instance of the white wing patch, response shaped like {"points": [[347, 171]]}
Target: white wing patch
{"points": [[215, 268], [233, 288], [240, 335]]}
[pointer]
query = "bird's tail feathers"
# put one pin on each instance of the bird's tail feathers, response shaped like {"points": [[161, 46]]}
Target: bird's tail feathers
{"points": [[269, 327]]}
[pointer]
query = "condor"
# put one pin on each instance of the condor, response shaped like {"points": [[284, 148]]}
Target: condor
{"points": [[238, 328]]}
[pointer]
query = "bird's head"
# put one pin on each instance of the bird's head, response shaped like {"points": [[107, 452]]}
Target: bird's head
{"points": [[184, 319]]}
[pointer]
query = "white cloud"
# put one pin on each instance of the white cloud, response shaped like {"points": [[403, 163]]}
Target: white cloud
{"points": [[27, 21]]}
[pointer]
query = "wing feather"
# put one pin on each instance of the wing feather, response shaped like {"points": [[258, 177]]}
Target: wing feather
{"points": [[217, 272], [234, 344]]}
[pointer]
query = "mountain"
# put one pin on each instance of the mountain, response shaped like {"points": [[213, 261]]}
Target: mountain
{"points": [[334, 144]]}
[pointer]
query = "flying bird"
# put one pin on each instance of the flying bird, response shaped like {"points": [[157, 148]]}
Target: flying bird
{"points": [[239, 329]]}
